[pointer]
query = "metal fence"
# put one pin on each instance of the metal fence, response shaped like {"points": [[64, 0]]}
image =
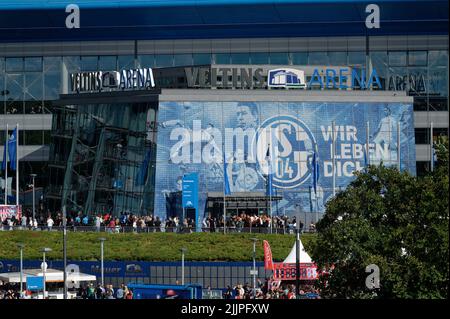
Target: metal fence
{"points": [[148, 229]]}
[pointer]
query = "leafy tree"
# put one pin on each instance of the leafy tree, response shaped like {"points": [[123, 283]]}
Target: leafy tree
{"points": [[395, 221]]}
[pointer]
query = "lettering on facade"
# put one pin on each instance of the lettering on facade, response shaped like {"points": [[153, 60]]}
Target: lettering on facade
{"points": [[132, 79]]}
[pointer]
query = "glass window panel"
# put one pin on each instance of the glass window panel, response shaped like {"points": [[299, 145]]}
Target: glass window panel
{"points": [[379, 60], [107, 63], [357, 58], [240, 58], [163, 60], [420, 104], [33, 86], [52, 64], [14, 86], [33, 138], [437, 80], [438, 58], [52, 85], [14, 64], [146, 61], [259, 58], [33, 64], [202, 58], [299, 58], [207, 271], [337, 58], [422, 135], [222, 58], [417, 58], [47, 137], [72, 64], [182, 59], [397, 58], [89, 63], [33, 107], [125, 62], [2, 64], [279, 58], [315, 58]]}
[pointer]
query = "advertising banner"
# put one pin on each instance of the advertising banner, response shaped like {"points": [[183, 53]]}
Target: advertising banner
{"points": [[196, 137], [8, 211]]}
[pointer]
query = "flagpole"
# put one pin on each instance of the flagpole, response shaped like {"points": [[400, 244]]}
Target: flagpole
{"points": [[225, 175], [333, 157], [398, 146], [6, 168], [431, 147], [367, 143], [17, 166]]}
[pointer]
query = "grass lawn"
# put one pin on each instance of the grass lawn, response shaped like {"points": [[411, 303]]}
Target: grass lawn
{"points": [[147, 246]]}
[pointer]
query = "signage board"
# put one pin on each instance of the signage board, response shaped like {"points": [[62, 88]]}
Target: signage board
{"points": [[8, 211], [131, 79], [35, 283]]}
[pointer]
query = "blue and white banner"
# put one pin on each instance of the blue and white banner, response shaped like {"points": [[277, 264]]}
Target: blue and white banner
{"points": [[192, 137]]}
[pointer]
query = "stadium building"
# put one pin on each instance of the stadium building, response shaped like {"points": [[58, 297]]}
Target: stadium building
{"points": [[175, 107]]}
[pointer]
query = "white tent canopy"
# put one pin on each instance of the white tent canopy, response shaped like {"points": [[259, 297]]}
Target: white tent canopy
{"points": [[304, 257]]}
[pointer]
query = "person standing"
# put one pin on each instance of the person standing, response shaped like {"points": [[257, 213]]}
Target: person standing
{"points": [[50, 222]]}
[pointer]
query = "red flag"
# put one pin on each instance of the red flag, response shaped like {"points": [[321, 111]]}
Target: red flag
{"points": [[268, 262]]}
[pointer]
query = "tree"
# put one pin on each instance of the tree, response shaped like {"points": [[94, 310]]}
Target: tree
{"points": [[393, 220]]}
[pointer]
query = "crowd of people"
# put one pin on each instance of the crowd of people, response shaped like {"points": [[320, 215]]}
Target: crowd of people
{"points": [[129, 222], [270, 290]]}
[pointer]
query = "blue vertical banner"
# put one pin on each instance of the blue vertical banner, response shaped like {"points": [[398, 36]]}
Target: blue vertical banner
{"points": [[190, 195], [12, 149]]}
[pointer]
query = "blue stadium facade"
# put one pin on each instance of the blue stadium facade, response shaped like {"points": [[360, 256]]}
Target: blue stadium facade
{"points": [[128, 150]]}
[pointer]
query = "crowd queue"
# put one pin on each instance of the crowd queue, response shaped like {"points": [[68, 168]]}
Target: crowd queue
{"points": [[129, 221]]}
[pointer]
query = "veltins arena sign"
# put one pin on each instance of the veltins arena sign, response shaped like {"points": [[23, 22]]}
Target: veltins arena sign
{"points": [[197, 136]]}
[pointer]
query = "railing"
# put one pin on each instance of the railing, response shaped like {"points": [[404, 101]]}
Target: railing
{"points": [[162, 229]]}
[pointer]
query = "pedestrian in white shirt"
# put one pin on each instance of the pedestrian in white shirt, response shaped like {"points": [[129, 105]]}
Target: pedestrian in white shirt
{"points": [[50, 223]]}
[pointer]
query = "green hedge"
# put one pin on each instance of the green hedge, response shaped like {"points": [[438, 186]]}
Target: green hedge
{"points": [[147, 247]]}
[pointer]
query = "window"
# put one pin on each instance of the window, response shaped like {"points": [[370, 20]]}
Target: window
{"points": [[397, 58], [33, 64], [163, 60], [279, 58], [107, 63], [182, 59], [201, 58], [146, 61], [299, 58], [240, 58], [422, 135], [422, 168], [337, 58], [34, 137], [417, 58], [14, 64], [259, 58], [317, 58], [357, 58], [221, 58], [2, 65], [125, 62]]}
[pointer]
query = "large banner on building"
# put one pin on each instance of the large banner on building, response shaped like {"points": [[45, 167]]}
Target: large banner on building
{"points": [[288, 139]]}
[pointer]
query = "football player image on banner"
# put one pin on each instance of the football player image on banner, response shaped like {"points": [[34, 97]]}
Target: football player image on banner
{"points": [[193, 136]]}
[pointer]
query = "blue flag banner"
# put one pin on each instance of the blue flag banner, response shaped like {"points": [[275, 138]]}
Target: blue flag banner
{"points": [[226, 182], [141, 176], [269, 189], [12, 149], [315, 172]]}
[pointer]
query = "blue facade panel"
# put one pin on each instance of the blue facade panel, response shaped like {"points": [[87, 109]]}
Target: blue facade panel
{"points": [[138, 20]]}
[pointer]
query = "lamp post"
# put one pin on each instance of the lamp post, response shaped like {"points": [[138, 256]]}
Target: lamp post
{"points": [[44, 265], [297, 253], [183, 251], [64, 249], [254, 266], [21, 246], [34, 197], [102, 240]]}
